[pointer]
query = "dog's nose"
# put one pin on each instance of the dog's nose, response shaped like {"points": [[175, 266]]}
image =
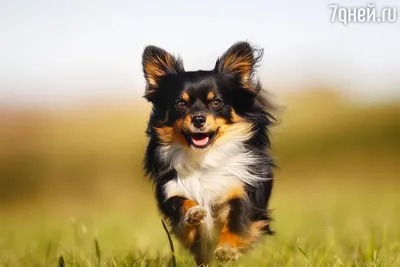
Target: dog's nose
{"points": [[198, 121]]}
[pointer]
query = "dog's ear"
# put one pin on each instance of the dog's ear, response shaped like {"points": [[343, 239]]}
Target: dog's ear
{"points": [[240, 62], [157, 63]]}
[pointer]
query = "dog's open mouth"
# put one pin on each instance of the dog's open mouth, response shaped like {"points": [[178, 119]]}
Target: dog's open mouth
{"points": [[199, 140]]}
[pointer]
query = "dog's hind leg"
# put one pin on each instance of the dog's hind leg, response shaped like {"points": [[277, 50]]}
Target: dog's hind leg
{"points": [[201, 255], [238, 232]]}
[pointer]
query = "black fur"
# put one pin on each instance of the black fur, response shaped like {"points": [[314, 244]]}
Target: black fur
{"points": [[230, 86]]}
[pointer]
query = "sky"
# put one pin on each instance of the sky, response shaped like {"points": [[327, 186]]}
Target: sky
{"points": [[63, 52]]}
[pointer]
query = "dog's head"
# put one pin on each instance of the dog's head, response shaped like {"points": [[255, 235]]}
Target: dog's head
{"points": [[198, 109]]}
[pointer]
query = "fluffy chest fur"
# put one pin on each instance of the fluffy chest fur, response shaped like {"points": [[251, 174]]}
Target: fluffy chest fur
{"points": [[210, 176], [208, 186]]}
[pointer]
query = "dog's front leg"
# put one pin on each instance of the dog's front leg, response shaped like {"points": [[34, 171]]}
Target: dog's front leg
{"points": [[184, 214]]}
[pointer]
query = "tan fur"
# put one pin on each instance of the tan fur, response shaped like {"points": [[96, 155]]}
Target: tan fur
{"points": [[165, 133], [185, 96], [187, 204], [243, 241], [221, 208], [168, 134], [153, 67], [227, 238], [186, 233], [241, 64], [226, 132], [210, 96], [236, 118]]}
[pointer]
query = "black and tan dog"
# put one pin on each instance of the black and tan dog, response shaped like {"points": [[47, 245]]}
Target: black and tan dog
{"points": [[208, 151]]}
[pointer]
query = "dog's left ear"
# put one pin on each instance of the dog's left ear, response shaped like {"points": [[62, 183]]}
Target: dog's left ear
{"points": [[156, 64], [240, 62]]}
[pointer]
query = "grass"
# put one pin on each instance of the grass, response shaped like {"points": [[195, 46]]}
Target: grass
{"points": [[317, 224], [71, 193]]}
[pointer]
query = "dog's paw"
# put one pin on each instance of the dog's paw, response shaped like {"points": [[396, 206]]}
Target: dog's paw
{"points": [[226, 253], [195, 215]]}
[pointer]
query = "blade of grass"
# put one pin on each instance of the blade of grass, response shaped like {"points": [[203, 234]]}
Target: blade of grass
{"points": [[171, 244], [5, 261], [61, 261], [97, 248]]}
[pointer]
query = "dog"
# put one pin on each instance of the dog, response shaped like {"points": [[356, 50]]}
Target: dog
{"points": [[208, 151]]}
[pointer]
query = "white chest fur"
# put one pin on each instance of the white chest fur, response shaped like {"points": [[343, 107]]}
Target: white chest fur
{"points": [[204, 188], [205, 177]]}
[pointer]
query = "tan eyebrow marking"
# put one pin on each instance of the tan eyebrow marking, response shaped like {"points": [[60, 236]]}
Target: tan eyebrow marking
{"points": [[185, 96], [210, 95]]}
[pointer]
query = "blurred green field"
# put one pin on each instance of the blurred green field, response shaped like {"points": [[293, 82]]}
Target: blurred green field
{"points": [[68, 178]]}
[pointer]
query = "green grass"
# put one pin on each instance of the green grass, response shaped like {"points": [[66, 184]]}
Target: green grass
{"points": [[317, 224], [72, 193]]}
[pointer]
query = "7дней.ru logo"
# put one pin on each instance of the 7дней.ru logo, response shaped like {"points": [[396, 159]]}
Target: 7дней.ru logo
{"points": [[368, 14]]}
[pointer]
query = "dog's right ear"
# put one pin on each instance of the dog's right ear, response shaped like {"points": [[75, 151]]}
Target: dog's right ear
{"points": [[156, 64]]}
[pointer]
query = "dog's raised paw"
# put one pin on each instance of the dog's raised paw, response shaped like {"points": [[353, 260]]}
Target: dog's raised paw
{"points": [[195, 215], [226, 253]]}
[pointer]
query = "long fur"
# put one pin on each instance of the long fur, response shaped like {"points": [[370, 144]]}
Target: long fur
{"points": [[234, 171]]}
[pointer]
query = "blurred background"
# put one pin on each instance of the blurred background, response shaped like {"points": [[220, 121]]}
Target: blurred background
{"points": [[72, 118]]}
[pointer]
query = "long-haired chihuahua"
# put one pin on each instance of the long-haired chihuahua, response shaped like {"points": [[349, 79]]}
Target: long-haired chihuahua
{"points": [[208, 151]]}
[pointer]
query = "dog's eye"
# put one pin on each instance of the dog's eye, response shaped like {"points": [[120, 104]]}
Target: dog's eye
{"points": [[216, 103], [181, 105]]}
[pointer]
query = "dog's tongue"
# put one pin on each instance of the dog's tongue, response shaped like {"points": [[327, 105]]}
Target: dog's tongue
{"points": [[200, 140]]}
